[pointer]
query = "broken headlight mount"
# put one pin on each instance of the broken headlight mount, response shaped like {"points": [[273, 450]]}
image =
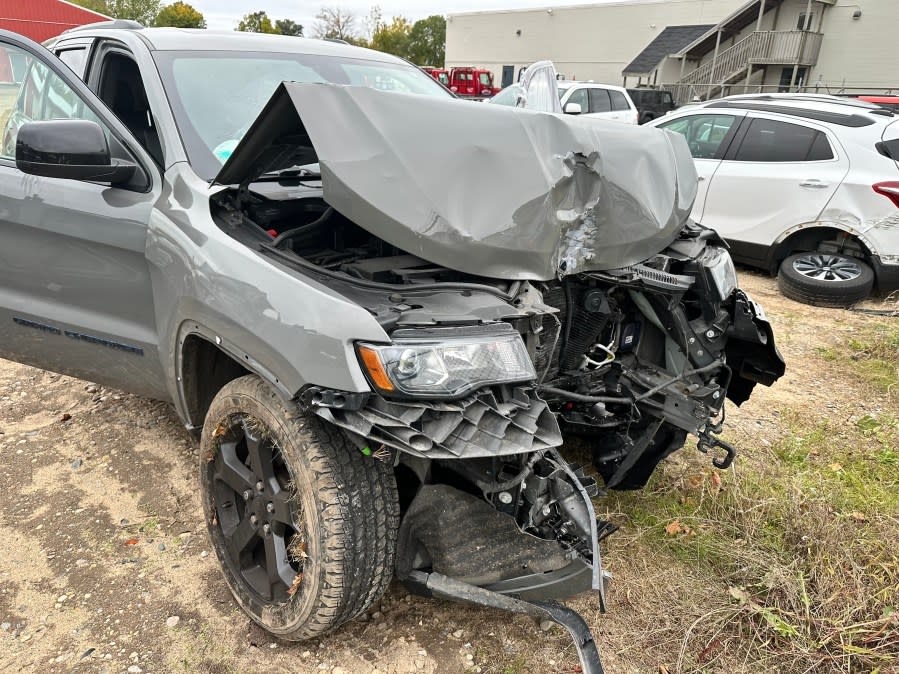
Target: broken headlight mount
{"points": [[446, 362]]}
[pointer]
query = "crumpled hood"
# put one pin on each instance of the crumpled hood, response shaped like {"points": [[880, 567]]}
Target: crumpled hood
{"points": [[487, 190]]}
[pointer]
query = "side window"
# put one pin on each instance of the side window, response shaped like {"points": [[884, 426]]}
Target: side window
{"points": [[619, 102], [39, 95], [768, 140], [704, 133], [76, 59], [599, 100], [579, 96], [121, 87]]}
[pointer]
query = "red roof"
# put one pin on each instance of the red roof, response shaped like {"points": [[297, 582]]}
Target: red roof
{"points": [[42, 19]]}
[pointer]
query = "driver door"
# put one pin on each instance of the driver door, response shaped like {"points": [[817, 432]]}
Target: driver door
{"points": [[708, 136], [75, 291]]}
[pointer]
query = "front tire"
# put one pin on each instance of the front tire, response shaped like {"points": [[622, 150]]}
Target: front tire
{"points": [[303, 524], [825, 279]]}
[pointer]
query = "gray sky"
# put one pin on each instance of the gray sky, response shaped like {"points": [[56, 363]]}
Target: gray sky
{"points": [[224, 14]]}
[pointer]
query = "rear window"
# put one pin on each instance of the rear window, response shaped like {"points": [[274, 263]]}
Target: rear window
{"points": [[599, 100], [768, 140], [619, 102]]}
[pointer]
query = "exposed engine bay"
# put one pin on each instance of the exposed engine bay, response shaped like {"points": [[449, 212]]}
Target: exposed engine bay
{"points": [[630, 360]]}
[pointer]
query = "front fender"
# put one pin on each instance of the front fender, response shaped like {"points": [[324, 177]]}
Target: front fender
{"points": [[287, 328]]}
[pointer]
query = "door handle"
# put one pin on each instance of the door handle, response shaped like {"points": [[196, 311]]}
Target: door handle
{"points": [[700, 178], [814, 183]]}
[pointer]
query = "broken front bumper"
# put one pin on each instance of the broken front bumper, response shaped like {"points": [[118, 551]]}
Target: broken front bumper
{"points": [[486, 424], [751, 352]]}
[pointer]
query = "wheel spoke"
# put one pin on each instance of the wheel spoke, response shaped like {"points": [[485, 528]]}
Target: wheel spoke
{"points": [[260, 454], [283, 509], [240, 538], [279, 571], [231, 470], [827, 268]]}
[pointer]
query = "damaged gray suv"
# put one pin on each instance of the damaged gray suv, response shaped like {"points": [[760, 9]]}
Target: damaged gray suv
{"points": [[381, 310]]}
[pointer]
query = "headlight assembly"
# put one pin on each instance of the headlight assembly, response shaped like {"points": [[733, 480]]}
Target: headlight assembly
{"points": [[721, 271], [446, 368]]}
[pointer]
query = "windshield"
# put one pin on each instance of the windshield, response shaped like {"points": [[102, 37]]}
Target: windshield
{"points": [[216, 96], [508, 96]]}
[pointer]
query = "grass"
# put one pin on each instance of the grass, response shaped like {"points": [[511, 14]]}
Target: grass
{"points": [[796, 549]]}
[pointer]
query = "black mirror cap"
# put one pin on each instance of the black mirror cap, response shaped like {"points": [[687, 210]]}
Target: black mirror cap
{"points": [[75, 149]]}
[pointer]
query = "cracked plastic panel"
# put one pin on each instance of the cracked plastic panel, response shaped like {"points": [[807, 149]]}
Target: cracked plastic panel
{"points": [[479, 425]]}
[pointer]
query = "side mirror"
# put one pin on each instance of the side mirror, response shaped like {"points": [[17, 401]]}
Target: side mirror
{"points": [[572, 109], [75, 149]]}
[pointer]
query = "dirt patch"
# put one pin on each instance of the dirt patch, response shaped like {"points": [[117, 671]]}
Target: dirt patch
{"points": [[105, 565]]}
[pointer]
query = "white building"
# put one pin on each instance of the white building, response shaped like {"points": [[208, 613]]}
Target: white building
{"points": [[696, 48]]}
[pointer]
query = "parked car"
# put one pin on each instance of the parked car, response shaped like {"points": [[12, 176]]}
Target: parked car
{"points": [[604, 101], [587, 99], [652, 103], [802, 185], [267, 232]]}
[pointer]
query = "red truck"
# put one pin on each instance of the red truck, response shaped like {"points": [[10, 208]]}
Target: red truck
{"points": [[471, 82], [439, 74]]}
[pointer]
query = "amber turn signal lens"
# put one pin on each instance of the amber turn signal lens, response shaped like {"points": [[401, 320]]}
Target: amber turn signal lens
{"points": [[375, 369]]}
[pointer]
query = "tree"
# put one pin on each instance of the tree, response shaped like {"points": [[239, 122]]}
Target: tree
{"points": [[392, 38], [371, 22], [256, 22], [143, 11], [180, 15], [336, 23], [427, 42], [288, 27]]}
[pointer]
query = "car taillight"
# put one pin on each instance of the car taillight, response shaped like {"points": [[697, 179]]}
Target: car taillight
{"points": [[889, 189]]}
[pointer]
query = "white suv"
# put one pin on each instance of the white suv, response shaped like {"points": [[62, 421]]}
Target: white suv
{"points": [[598, 100], [804, 185]]}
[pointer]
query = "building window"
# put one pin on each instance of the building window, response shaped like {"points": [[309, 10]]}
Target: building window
{"points": [[800, 25], [786, 75]]}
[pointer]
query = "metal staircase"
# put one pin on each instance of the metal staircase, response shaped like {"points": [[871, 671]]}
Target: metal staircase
{"points": [[770, 47]]}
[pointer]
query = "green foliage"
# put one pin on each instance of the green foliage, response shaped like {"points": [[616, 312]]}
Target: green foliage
{"points": [[143, 11], [392, 38], [180, 15], [259, 22], [423, 43], [427, 42], [289, 27], [256, 22]]}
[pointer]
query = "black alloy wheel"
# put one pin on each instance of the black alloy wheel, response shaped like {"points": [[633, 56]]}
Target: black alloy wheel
{"points": [[255, 510], [304, 525]]}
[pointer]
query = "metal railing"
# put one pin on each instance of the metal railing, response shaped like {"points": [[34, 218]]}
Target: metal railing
{"points": [[704, 92], [791, 47], [787, 48]]}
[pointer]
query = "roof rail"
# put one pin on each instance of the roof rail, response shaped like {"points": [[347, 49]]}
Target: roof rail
{"points": [[335, 39], [121, 24], [806, 96], [843, 119]]}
